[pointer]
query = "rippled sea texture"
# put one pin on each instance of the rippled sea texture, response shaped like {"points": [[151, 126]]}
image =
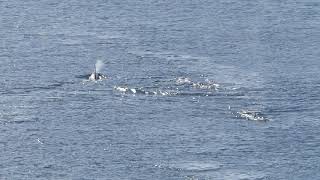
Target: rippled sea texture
{"points": [[185, 79]]}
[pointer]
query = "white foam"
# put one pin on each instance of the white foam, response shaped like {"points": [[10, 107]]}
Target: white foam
{"points": [[183, 80], [251, 115], [133, 90], [121, 89], [201, 85]]}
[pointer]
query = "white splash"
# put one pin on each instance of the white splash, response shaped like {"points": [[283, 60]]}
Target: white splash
{"points": [[121, 89]]}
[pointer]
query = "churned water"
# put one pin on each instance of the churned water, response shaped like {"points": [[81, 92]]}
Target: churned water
{"points": [[194, 90]]}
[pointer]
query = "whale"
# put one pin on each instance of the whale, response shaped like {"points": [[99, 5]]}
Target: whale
{"points": [[96, 76]]}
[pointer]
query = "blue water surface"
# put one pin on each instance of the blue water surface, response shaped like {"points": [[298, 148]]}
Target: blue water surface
{"points": [[179, 75]]}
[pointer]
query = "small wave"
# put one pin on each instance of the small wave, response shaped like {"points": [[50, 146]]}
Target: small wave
{"points": [[29, 89], [169, 55], [237, 174], [192, 166], [71, 42], [197, 166], [198, 94], [15, 118]]}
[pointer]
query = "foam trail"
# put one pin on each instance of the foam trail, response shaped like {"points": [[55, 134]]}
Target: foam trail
{"points": [[99, 66]]}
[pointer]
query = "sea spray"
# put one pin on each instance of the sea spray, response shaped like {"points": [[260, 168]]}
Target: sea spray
{"points": [[99, 66]]}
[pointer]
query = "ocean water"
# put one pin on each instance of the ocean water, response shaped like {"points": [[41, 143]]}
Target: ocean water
{"points": [[179, 76]]}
